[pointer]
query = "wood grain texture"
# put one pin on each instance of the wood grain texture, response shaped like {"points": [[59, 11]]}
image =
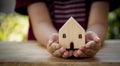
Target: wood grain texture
{"points": [[71, 34], [31, 54]]}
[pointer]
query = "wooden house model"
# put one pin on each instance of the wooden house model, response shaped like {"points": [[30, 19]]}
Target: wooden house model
{"points": [[71, 34]]}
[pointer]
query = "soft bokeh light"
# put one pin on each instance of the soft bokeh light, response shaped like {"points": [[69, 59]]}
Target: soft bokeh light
{"points": [[13, 27]]}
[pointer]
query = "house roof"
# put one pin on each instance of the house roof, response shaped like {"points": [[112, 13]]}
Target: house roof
{"points": [[70, 24]]}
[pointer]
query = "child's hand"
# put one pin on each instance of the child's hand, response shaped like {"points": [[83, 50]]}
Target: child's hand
{"points": [[93, 44], [56, 49]]}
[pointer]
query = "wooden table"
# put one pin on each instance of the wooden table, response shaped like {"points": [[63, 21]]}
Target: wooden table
{"points": [[29, 53]]}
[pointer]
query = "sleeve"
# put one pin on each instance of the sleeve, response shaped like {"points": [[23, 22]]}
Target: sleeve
{"points": [[21, 5]]}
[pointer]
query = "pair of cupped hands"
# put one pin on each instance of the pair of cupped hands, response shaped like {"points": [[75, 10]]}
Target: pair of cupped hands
{"points": [[91, 47]]}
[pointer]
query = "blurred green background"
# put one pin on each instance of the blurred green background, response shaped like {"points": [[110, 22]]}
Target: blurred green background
{"points": [[14, 26], [114, 24]]}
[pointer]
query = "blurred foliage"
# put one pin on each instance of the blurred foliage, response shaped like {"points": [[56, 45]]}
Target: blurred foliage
{"points": [[13, 27], [114, 25]]}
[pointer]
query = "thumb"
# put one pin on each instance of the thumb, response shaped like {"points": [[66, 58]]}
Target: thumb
{"points": [[50, 41], [53, 38], [96, 39]]}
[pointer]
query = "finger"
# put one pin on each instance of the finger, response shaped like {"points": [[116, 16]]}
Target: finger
{"points": [[75, 53], [93, 45], [90, 44], [81, 54], [59, 52], [54, 46], [90, 35], [70, 53], [65, 54], [54, 37], [91, 48], [97, 39], [89, 52], [84, 52], [50, 42], [82, 47]]}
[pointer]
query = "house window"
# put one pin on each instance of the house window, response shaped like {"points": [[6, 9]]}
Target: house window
{"points": [[79, 36], [64, 35]]}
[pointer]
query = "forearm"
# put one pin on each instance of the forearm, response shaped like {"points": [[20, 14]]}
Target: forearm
{"points": [[41, 22], [98, 20], [42, 32]]}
